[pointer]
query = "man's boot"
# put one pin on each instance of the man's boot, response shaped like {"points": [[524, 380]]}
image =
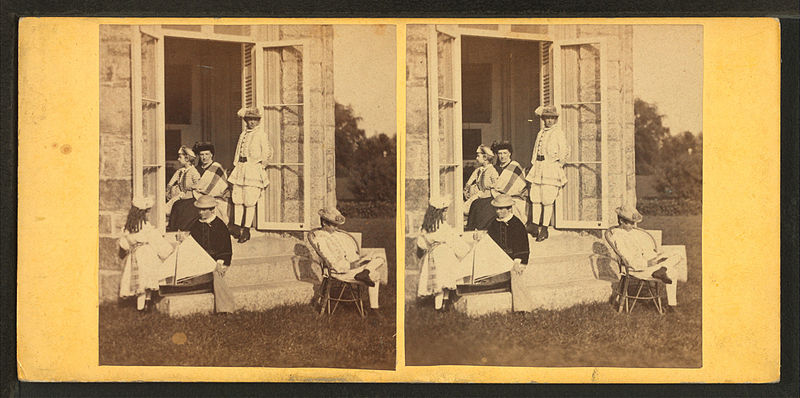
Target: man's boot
{"points": [[244, 235], [542, 234]]}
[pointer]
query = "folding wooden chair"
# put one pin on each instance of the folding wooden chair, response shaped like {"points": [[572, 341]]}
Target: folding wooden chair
{"points": [[654, 287], [349, 289]]}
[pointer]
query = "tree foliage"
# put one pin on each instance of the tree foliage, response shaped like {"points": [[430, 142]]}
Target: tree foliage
{"points": [[675, 160], [649, 133], [371, 163], [347, 137]]}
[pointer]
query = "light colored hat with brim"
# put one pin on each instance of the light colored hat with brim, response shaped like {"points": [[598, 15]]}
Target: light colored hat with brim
{"points": [[205, 202], [438, 202], [546, 111], [502, 200], [629, 213], [332, 214], [142, 203], [249, 113]]}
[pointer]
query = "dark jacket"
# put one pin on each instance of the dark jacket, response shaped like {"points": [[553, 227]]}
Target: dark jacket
{"points": [[511, 237], [214, 238]]}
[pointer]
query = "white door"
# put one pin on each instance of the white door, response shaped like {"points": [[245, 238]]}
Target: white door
{"points": [[147, 88], [282, 95], [444, 118], [579, 90]]}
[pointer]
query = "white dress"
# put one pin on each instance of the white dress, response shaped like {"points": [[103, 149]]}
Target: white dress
{"points": [[444, 250], [147, 249]]}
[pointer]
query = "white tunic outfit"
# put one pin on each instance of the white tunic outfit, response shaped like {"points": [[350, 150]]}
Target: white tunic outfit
{"points": [[441, 263], [146, 249], [248, 176], [547, 175]]}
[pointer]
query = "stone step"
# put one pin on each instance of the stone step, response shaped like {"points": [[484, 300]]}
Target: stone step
{"points": [[546, 270], [260, 270], [561, 295], [249, 298], [483, 304]]}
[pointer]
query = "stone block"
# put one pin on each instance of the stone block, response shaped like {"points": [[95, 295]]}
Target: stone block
{"points": [[115, 194], [562, 295], [115, 110], [416, 195], [271, 295], [187, 304], [115, 61], [115, 156], [105, 227], [260, 271], [483, 304], [110, 255], [558, 269], [108, 285]]}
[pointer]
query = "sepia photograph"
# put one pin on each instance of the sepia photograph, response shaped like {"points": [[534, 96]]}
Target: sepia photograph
{"points": [[247, 195], [553, 195]]}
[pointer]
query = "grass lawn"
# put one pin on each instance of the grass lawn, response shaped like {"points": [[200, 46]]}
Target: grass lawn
{"points": [[584, 335], [292, 336]]}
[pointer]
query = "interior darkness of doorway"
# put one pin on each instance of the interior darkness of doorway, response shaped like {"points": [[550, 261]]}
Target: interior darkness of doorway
{"points": [[500, 89], [203, 92]]}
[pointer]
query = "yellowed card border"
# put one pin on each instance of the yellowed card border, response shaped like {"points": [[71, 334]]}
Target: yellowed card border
{"points": [[58, 154]]}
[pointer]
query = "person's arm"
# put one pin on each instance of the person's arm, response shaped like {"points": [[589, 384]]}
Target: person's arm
{"points": [[519, 242]]}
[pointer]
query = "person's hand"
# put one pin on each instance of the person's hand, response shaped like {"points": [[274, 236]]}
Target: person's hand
{"points": [[221, 267], [180, 236], [653, 261], [518, 267]]}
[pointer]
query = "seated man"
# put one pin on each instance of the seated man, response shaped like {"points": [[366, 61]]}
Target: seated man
{"points": [[508, 231], [341, 251], [640, 253], [212, 235]]}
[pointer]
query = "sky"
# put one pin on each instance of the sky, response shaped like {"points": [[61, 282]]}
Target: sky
{"points": [[668, 71], [364, 70], [667, 68]]}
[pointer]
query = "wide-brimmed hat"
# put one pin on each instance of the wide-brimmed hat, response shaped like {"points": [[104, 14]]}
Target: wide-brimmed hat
{"points": [[141, 202], [438, 202], [249, 113], [502, 200], [546, 111], [629, 213], [205, 202], [332, 214]]}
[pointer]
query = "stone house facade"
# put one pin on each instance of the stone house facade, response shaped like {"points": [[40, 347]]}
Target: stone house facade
{"points": [[473, 84], [162, 86]]}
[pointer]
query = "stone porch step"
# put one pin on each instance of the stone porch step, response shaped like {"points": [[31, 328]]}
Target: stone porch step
{"points": [[563, 295], [249, 298], [484, 304], [260, 270]]}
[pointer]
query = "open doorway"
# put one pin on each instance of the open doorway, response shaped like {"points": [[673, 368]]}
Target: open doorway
{"points": [[202, 92], [500, 83]]}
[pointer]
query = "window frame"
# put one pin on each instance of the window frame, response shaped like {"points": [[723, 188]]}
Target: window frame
{"points": [[556, 82]]}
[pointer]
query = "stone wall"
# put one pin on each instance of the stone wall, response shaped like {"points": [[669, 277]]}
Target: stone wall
{"points": [[115, 151], [416, 126]]}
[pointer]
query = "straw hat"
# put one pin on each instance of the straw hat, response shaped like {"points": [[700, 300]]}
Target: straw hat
{"points": [[249, 113], [502, 200], [142, 203], [205, 202], [438, 202], [546, 111], [629, 213], [332, 214]]}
